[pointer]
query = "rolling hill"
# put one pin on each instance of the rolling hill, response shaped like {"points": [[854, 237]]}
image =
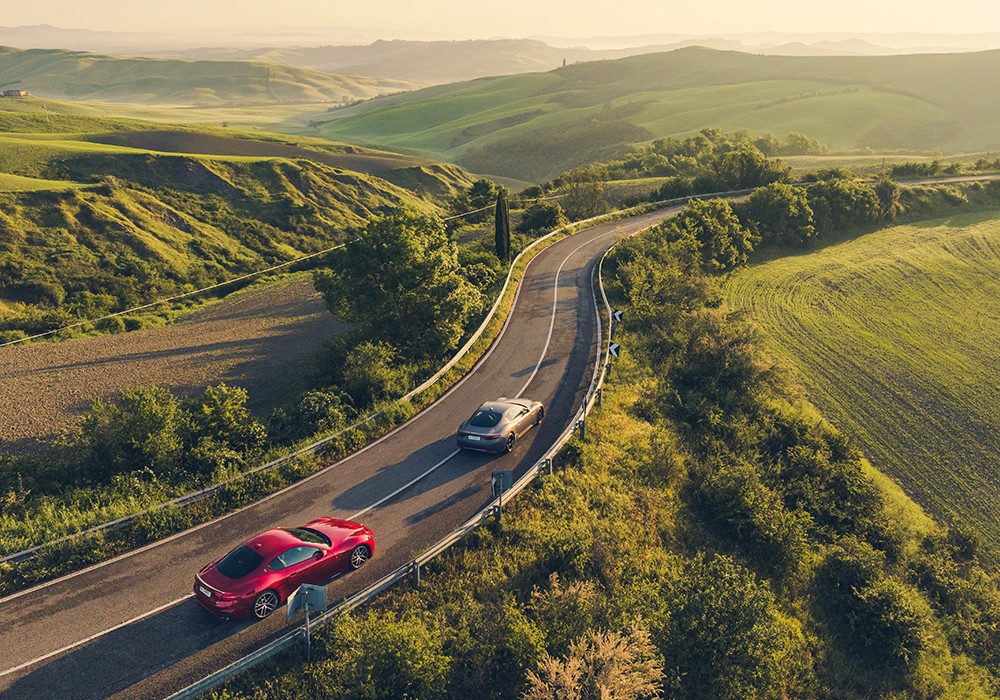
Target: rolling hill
{"points": [[534, 126], [896, 336], [77, 75], [98, 215]]}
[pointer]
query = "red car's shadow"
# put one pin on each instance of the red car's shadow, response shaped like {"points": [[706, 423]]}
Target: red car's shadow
{"points": [[132, 657]]}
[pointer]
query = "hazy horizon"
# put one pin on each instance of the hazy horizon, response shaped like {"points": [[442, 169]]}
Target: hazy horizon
{"points": [[449, 19]]}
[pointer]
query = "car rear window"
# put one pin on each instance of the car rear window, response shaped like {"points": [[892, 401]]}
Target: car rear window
{"points": [[239, 562], [485, 418]]}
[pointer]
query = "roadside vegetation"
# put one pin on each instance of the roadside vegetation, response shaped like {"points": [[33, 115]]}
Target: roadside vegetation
{"points": [[713, 538]]}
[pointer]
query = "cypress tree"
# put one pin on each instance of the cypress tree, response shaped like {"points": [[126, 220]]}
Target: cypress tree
{"points": [[502, 227]]}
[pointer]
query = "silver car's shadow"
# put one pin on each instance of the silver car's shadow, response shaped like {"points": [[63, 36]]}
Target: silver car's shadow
{"points": [[392, 476]]}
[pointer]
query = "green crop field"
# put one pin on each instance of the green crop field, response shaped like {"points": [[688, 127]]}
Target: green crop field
{"points": [[896, 337], [536, 125]]}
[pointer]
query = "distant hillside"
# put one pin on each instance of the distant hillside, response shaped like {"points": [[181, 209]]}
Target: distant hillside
{"points": [[534, 126], [433, 62], [76, 75], [439, 62]]}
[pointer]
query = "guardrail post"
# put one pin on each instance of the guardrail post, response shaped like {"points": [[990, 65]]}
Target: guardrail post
{"points": [[608, 373], [416, 573], [600, 395], [548, 465], [580, 425]]}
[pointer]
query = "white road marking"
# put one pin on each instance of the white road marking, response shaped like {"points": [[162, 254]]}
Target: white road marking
{"points": [[555, 301], [402, 488], [92, 637]]}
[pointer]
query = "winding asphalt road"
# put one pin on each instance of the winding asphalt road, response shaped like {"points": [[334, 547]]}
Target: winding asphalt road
{"points": [[129, 627]]}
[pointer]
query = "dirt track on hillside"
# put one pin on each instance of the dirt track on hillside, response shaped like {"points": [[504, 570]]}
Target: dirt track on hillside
{"points": [[207, 144], [263, 339]]}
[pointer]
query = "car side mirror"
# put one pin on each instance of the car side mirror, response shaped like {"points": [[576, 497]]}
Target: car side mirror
{"points": [[318, 554]]}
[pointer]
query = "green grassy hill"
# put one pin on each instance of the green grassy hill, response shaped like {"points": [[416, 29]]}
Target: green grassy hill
{"points": [[98, 221], [534, 126], [896, 336], [77, 75]]}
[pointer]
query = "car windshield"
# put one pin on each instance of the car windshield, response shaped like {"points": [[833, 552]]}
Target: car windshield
{"points": [[307, 534], [239, 562], [485, 418]]}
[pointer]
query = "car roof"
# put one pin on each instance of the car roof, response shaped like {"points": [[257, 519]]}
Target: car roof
{"points": [[273, 542], [503, 404]]}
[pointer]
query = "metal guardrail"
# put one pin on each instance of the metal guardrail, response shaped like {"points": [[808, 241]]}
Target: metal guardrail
{"points": [[412, 568], [196, 496]]}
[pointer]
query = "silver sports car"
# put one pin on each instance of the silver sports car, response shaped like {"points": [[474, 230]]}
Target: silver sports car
{"points": [[497, 424]]}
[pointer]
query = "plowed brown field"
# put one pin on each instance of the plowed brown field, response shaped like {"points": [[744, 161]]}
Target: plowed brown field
{"points": [[263, 339]]}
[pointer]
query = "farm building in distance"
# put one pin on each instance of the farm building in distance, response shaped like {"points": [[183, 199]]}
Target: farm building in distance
{"points": [[15, 93]]}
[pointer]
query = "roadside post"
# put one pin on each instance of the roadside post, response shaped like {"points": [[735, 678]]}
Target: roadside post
{"points": [[501, 481], [613, 350], [306, 597]]}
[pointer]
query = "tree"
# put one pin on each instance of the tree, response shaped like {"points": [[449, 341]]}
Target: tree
{"points": [[480, 195], [725, 243], [599, 666], [541, 217], [380, 658], [841, 203], [585, 198], [400, 284], [141, 430], [725, 637], [888, 198], [501, 225], [742, 168], [371, 374], [220, 413], [779, 213]]}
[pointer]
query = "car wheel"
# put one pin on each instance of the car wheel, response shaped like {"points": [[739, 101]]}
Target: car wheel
{"points": [[541, 414], [359, 556], [510, 443], [265, 604]]}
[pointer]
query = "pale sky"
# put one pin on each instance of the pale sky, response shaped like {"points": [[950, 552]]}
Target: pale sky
{"points": [[476, 19]]}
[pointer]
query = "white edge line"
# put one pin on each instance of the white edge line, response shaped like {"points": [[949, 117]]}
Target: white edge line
{"points": [[92, 637], [555, 303]]}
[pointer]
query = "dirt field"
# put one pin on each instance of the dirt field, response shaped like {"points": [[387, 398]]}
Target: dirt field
{"points": [[263, 339]]}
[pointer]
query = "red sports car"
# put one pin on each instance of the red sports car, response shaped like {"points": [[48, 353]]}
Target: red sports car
{"points": [[260, 574]]}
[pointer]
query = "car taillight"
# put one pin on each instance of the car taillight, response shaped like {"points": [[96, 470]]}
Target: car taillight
{"points": [[492, 437], [227, 596]]}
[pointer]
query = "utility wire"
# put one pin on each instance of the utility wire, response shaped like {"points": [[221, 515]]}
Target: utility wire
{"points": [[166, 300]]}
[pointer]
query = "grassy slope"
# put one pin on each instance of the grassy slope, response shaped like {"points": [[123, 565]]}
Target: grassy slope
{"points": [[78, 75], [896, 335], [38, 136], [135, 211], [888, 102]]}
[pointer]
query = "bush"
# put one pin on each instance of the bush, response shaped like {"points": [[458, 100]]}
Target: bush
{"points": [[372, 657], [141, 430], [724, 637], [371, 374]]}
